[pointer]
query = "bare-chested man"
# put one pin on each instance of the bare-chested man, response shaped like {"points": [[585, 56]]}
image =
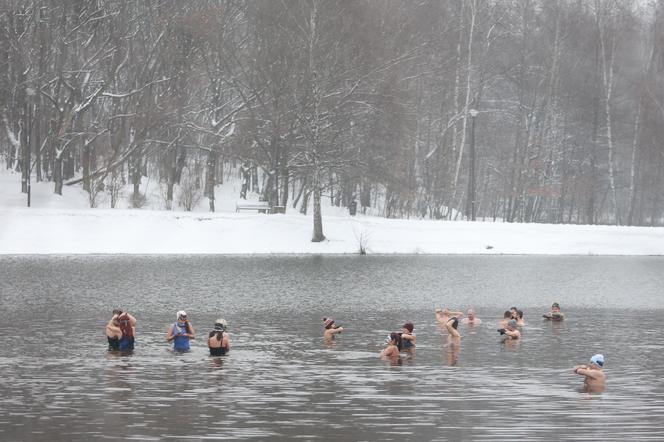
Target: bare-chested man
{"points": [[471, 319], [331, 328], [554, 314], [595, 379]]}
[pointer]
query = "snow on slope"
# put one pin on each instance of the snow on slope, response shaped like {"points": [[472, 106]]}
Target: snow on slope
{"points": [[64, 225]]}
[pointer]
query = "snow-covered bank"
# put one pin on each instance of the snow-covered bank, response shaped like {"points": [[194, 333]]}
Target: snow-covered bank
{"points": [[63, 225], [49, 231]]}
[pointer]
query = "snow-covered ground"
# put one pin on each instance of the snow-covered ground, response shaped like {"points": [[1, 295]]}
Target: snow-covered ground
{"points": [[65, 225]]}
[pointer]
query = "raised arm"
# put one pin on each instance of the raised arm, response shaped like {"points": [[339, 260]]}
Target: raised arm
{"points": [[451, 330], [112, 329], [451, 313], [583, 370]]}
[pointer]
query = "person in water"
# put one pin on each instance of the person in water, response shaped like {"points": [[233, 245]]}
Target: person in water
{"points": [[181, 332], [507, 317], [218, 342], [471, 319], [594, 377], [331, 328], [121, 331], [452, 328], [394, 345], [519, 318], [510, 331], [442, 316], [554, 314], [408, 338], [514, 312]]}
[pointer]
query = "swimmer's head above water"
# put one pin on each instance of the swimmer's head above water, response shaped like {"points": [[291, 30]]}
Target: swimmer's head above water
{"points": [[598, 360], [454, 322], [220, 325]]}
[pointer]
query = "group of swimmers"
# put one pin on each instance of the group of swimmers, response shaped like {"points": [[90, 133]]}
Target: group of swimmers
{"points": [[594, 377], [121, 331]]}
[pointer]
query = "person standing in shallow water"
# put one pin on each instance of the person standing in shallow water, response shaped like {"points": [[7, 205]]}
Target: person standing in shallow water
{"points": [[181, 332], [121, 331], [594, 377], [554, 314], [407, 336], [394, 345], [453, 341], [510, 331], [519, 318], [471, 319], [331, 328], [218, 342]]}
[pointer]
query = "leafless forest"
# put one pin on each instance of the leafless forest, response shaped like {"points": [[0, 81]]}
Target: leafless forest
{"points": [[514, 110]]}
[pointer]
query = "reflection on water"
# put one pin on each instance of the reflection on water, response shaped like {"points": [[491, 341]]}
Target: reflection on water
{"points": [[282, 379]]}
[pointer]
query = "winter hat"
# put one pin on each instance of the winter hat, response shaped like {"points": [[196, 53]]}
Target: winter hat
{"points": [[220, 325], [181, 314], [327, 322]]}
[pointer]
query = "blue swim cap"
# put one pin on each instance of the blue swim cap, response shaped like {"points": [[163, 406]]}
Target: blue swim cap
{"points": [[597, 359], [512, 323]]}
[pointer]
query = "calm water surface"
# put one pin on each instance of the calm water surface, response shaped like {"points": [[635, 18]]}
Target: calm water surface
{"points": [[282, 381]]}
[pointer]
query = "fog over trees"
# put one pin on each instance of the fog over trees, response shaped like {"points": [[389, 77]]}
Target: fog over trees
{"points": [[514, 110]]}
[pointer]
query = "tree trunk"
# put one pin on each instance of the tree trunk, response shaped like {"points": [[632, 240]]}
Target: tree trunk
{"points": [[318, 219], [210, 177]]}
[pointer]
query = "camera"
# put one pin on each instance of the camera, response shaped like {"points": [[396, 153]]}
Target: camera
{"points": [[501, 331]]}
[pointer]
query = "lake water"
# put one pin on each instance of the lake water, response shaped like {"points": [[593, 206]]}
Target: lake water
{"points": [[282, 381]]}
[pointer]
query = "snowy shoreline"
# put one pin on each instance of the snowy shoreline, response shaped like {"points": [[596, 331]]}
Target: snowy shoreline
{"points": [[148, 232]]}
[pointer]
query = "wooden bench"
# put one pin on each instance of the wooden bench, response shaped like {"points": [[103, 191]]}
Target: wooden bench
{"points": [[260, 206]]}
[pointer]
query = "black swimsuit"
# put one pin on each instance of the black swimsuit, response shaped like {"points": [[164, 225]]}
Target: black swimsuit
{"points": [[113, 344], [217, 351]]}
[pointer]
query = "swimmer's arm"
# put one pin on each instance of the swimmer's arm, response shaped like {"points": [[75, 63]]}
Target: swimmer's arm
{"points": [[512, 333], [191, 335], [169, 335], [131, 319], [112, 329], [583, 371], [408, 336], [457, 314], [334, 331]]}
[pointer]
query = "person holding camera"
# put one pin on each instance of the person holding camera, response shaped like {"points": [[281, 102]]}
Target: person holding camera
{"points": [[510, 331], [181, 332]]}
